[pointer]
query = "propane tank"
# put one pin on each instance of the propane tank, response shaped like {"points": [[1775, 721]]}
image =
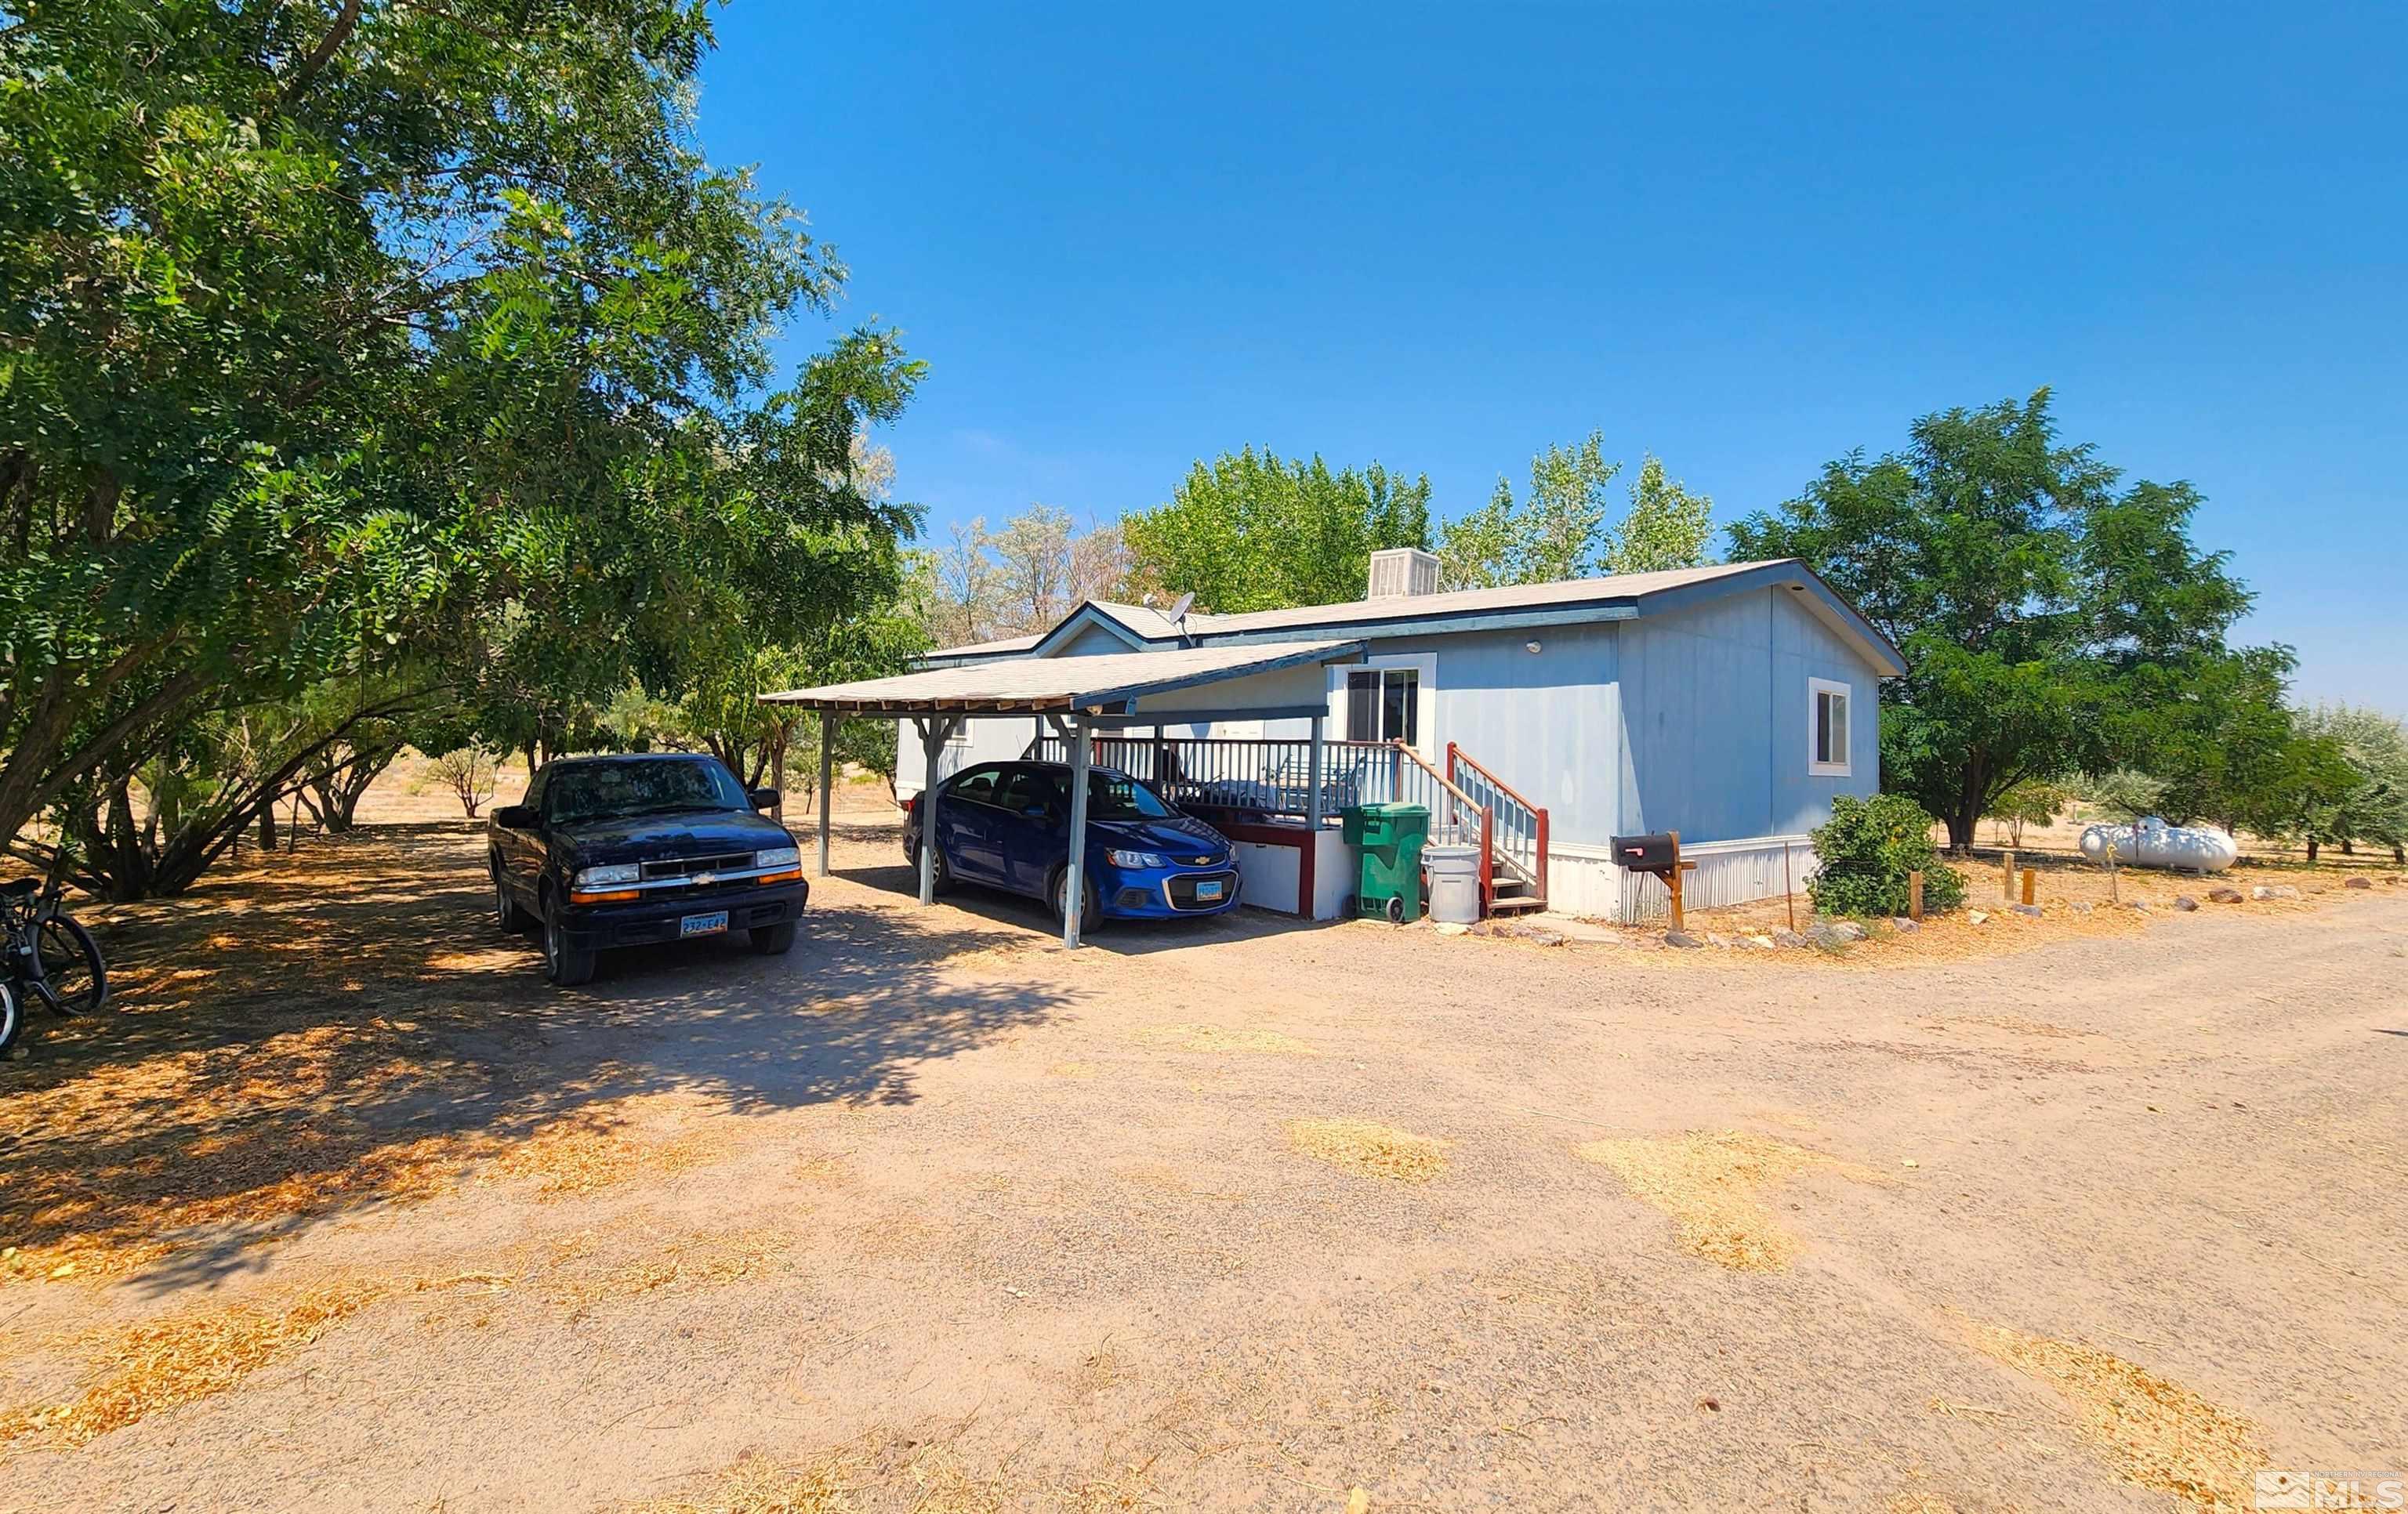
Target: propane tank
{"points": [[2153, 843]]}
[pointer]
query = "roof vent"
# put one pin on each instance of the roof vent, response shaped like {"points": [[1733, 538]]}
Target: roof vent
{"points": [[1402, 571]]}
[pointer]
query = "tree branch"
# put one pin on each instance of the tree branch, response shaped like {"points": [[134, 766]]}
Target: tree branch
{"points": [[324, 52]]}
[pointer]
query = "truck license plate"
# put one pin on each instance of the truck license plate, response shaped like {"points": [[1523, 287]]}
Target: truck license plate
{"points": [[1209, 888], [710, 924]]}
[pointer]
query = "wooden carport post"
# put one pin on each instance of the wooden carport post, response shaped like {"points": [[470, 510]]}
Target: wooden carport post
{"points": [[827, 770], [1074, 883], [935, 731]]}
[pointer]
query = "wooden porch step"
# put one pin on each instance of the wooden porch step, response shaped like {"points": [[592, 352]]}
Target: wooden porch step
{"points": [[1505, 904]]}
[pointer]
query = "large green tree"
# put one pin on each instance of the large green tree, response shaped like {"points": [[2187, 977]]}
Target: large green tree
{"points": [[1254, 531], [2039, 604], [1562, 528], [362, 334]]}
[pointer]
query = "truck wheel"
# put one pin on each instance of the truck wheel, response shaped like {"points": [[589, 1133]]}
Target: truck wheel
{"points": [[563, 963], [507, 913], [773, 941]]}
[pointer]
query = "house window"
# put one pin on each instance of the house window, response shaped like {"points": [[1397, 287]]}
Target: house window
{"points": [[1383, 704], [1827, 728]]}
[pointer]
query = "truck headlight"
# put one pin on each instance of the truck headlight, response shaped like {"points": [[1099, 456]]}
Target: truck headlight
{"points": [[1135, 859], [594, 878], [776, 857]]}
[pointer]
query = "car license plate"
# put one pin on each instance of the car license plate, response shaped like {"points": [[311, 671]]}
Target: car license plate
{"points": [[1209, 888], [710, 924]]}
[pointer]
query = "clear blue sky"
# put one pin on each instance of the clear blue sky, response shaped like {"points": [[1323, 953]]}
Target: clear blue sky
{"points": [[1127, 237]]}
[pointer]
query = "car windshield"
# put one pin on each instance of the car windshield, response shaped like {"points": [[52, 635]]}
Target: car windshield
{"points": [[614, 791], [1112, 796]]}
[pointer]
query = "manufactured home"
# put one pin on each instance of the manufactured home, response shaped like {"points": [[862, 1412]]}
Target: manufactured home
{"points": [[1731, 704]]}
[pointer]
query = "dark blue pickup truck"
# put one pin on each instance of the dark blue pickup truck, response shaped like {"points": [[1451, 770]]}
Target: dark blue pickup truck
{"points": [[626, 850]]}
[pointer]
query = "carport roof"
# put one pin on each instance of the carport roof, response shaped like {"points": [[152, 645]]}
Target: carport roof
{"points": [[1039, 685]]}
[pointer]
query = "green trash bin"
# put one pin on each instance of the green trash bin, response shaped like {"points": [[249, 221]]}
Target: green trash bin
{"points": [[1387, 840]]}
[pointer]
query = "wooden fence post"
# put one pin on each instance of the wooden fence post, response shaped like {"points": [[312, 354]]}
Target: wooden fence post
{"points": [[2030, 873], [2007, 877], [1914, 896]]}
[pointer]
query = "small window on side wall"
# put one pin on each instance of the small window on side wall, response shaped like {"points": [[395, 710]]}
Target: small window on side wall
{"points": [[1827, 728]]}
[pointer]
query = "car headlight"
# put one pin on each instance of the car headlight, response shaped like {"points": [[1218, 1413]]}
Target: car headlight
{"points": [[778, 857], [592, 877], [1135, 859]]}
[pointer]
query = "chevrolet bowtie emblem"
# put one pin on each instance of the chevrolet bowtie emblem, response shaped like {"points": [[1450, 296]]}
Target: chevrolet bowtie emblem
{"points": [[701, 878]]}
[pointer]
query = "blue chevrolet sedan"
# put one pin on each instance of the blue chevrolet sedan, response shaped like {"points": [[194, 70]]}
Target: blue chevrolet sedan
{"points": [[1007, 825]]}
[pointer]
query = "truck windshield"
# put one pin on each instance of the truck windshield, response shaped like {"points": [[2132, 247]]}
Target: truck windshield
{"points": [[614, 791]]}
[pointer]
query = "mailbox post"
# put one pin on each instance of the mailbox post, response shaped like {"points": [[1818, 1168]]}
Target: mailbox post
{"points": [[1658, 853]]}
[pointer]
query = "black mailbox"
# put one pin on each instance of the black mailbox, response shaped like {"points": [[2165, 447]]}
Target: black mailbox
{"points": [[1658, 851]]}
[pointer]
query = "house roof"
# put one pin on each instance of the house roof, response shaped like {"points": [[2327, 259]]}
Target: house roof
{"points": [[1618, 596], [1039, 685]]}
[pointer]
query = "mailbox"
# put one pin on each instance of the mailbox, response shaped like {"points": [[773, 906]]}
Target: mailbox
{"points": [[1658, 851]]}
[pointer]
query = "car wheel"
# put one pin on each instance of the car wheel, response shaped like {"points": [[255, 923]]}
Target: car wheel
{"points": [[563, 963], [507, 913], [1090, 914], [774, 940], [943, 883]]}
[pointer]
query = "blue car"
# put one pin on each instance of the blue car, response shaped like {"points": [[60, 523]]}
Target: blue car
{"points": [[1007, 825]]}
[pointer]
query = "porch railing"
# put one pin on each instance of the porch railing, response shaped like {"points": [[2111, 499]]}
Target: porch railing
{"points": [[1519, 839]]}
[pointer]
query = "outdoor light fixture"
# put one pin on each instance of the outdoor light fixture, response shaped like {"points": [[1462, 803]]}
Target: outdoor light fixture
{"points": [[1530, 647]]}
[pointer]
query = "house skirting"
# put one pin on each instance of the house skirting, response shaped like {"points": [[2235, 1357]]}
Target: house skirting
{"points": [[1584, 881]]}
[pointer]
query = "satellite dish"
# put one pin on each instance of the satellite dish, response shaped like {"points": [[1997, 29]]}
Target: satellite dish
{"points": [[1177, 613]]}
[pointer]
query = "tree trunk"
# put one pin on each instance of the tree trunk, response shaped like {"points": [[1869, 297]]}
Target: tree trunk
{"points": [[2345, 848], [267, 828], [2311, 848], [1962, 825]]}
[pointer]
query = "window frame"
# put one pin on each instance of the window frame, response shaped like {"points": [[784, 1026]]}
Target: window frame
{"points": [[1380, 680], [1816, 689]]}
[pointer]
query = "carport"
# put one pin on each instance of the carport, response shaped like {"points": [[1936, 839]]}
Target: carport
{"points": [[1077, 696]]}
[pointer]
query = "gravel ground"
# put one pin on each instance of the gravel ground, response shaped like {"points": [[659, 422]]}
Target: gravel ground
{"points": [[992, 1225]]}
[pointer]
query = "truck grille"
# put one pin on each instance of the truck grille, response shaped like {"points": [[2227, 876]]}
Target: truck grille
{"points": [[730, 861]]}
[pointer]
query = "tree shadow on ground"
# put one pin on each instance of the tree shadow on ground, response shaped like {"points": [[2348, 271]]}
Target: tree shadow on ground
{"points": [[346, 1028]]}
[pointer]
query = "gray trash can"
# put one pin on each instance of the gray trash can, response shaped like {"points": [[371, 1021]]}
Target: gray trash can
{"points": [[1454, 873]]}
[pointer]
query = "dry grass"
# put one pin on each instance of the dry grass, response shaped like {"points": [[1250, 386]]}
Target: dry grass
{"points": [[1080, 1071], [894, 1472], [115, 1214], [1712, 1183], [700, 1261], [599, 1146], [2156, 1434], [759, 1485], [1216, 1039], [1374, 1151], [186, 1357]]}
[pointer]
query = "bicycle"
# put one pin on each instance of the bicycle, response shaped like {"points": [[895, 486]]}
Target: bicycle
{"points": [[46, 957]]}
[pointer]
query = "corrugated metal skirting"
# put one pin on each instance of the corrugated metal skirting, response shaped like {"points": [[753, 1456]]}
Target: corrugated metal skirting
{"points": [[1728, 873]]}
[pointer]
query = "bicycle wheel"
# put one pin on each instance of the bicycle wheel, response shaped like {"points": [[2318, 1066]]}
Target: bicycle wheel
{"points": [[11, 1021], [71, 965]]}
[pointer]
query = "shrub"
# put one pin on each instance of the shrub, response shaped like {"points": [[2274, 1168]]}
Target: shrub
{"points": [[1866, 851]]}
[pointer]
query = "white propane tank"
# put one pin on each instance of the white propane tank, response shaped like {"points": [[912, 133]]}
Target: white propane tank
{"points": [[2153, 843]]}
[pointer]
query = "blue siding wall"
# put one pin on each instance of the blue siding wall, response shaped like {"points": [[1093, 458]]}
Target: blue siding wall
{"points": [[1714, 708], [1802, 648], [1544, 722]]}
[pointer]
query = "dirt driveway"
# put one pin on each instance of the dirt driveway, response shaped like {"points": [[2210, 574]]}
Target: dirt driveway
{"points": [[345, 1210]]}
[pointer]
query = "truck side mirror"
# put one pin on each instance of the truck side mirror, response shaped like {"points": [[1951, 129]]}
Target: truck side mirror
{"points": [[766, 798], [514, 816]]}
